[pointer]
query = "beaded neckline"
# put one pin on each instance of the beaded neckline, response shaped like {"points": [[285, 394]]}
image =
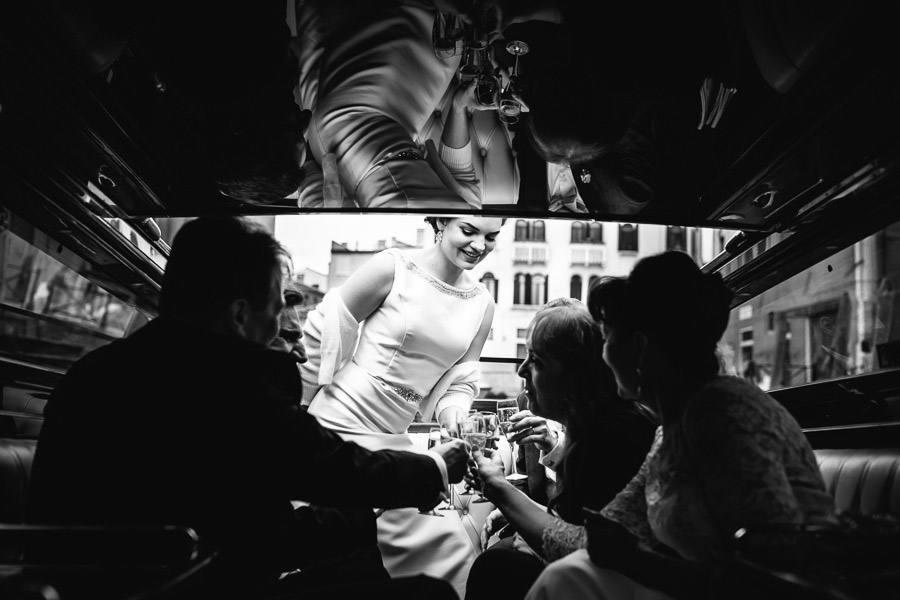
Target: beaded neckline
{"points": [[437, 283]]}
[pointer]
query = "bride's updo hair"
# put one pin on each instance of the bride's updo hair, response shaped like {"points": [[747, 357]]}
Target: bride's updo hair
{"points": [[685, 310], [433, 221]]}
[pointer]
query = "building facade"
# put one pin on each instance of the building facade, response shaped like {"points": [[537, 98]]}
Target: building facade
{"points": [[538, 260]]}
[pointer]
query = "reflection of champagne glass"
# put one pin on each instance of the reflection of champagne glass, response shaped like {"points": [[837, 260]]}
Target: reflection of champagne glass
{"points": [[473, 61], [447, 35], [434, 438], [510, 107], [487, 89]]}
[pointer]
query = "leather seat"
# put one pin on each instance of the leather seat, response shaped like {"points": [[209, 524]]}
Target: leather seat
{"points": [[863, 480], [16, 456]]}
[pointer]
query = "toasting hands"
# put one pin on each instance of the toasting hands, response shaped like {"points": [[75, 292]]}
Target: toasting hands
{"points": [[456, 454]]}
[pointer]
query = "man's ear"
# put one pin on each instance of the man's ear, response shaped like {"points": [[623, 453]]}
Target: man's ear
{"points": [[237, 316]]}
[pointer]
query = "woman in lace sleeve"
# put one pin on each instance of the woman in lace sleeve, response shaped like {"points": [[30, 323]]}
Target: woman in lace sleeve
{"points": [[730, 455]]}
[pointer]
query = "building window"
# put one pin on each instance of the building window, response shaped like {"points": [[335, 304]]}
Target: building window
{"points": [[521, 352], [538, 289], [584, 232], [676, 238], [628, 238], [490, 282], [522, 231], [577, 232], [530, 289], [529, 232], [521, 291], [593, 279], [575, 287], [521, 333]]}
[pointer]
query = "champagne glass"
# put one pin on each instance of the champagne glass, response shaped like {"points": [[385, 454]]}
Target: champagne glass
{"points": [[489, 421], [446, 436], [490, 428], [505, 410], [473, 431], [434, 438]]}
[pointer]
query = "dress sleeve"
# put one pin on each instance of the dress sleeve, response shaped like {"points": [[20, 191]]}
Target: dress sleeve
{"points": [[329, 335], [735, 441], [458, 387], [561, 538], [629, 507], [459, 162]]}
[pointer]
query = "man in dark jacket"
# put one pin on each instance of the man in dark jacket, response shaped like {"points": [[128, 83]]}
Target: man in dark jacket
{"points": [[193, 421]]}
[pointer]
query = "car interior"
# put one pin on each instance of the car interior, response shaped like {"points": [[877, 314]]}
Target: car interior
{"points": [[787, 146]]}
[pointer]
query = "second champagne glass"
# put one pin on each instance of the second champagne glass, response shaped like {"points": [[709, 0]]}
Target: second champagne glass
{"points": [[434, 438], [446, 436], [505, 410]]}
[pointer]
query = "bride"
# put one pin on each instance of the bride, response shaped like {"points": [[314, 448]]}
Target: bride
{"points": [[402, 336]]}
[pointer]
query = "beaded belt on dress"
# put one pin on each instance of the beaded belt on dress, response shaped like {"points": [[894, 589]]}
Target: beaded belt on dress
{"points": [[407, 394]]}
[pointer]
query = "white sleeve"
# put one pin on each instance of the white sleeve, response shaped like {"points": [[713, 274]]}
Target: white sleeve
{"points": [[329, 335]]}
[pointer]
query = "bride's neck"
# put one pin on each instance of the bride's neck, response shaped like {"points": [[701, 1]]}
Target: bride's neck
{"points": [[436, 263]]}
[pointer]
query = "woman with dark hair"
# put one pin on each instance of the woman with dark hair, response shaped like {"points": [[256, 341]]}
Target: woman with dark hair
{"points": [[401, 337], [607, 437], [726, 456]]}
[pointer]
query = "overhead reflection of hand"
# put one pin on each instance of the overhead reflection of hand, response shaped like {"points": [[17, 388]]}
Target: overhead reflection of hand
{"points": [[469, 195], [465, 96]]}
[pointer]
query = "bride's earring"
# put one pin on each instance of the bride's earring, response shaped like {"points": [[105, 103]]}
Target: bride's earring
{"points": [[438, 236]]}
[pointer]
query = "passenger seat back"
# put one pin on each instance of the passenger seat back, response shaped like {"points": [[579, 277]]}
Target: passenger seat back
{"points": [[865, 480]]}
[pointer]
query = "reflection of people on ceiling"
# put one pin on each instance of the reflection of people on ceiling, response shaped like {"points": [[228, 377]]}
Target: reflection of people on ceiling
{"points": [[372, 79], [493, 159], [607, 85]]}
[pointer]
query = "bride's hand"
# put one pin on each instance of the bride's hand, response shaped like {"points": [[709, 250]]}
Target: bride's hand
{"points": [[464, 97]]}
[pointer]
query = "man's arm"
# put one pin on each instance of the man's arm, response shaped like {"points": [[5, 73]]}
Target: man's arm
{"points": [[324, 469]]}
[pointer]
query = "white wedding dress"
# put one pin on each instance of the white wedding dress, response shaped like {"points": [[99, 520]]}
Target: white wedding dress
{"points": [[421, 331]]}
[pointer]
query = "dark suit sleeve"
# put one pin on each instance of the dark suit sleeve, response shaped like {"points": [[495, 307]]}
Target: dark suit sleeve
{"points": [[324, 469], [333, 472]]}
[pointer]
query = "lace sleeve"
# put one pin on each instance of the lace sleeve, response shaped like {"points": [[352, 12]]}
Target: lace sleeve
{"points": [[560, 538]]}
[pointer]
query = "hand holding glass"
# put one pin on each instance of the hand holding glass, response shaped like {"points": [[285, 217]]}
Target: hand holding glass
{"points": [[434, 438]]}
